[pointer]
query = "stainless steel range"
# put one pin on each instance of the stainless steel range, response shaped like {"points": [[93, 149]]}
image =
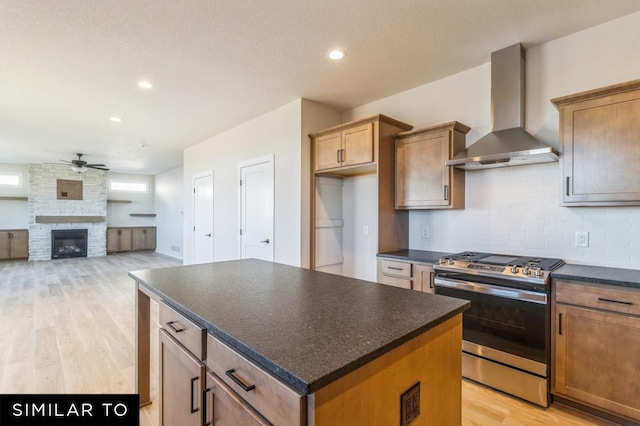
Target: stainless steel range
{"points": [[506, 332]]}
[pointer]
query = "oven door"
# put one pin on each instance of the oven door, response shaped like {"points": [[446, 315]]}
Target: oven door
{"points": [[509, 320]]}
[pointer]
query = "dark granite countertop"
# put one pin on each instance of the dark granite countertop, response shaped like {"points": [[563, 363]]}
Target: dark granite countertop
{"points": [[598, 275], [415, 255], [306, 328]]}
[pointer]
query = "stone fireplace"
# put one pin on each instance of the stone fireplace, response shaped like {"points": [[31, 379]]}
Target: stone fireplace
{"points": [[47, 213], [68, 243]]}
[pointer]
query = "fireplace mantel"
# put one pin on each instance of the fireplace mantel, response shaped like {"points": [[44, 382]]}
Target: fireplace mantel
{"points": [[70, 219]]}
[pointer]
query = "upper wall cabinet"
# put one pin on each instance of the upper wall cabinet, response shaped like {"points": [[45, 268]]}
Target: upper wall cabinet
{"points": [[350, 148], [600, 145], [422, 179]]}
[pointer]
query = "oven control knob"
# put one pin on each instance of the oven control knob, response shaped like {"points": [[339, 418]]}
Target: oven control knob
{"points": [[525, 270], [514, 269], [538, 272], [451, 262]]}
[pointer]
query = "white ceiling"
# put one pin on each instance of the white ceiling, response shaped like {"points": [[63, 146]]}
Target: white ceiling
{"points": [[66, 66]]}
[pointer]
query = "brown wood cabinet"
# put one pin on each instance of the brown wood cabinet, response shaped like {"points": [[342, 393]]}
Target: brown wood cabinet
{"points": [[118, 240], [182, 378], [143, 238], [410, 275], [422, 179], [14, 244], [600, 146], [596, 346], [225, 408], [348, 147], [124, 239], [353, 152]]}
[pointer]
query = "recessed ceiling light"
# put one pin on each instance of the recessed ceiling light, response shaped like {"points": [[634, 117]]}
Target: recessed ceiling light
{"points": [[145, 84], [116, 119], [336, 54]]}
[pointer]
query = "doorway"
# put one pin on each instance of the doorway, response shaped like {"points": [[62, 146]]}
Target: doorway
{"points": [[203, 218], [256, 208]]}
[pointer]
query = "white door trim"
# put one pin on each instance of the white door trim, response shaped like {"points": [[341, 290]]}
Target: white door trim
{"points": [[269, 158], [193, 206]]}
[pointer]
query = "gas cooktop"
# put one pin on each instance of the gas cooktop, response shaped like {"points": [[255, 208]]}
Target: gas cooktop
{"points": [[530, 269], [545, 264]]}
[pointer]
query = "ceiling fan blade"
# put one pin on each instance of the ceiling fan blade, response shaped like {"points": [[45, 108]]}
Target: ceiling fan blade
{"points": [[98, 165], [70, 162], [94, 167]]}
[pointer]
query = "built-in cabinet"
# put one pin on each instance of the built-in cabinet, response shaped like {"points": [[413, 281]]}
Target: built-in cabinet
{"points": [[404, 274], [131, 238], [422, 179], [353, 215], [600, 146], [182, 369], [348, 147], [14, 244], [596, 345]]}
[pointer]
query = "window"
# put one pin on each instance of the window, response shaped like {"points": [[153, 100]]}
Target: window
{"points": [[11, 179], [127, 186]]}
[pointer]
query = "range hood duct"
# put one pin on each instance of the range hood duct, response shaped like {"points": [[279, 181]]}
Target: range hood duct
{"points": [[508, 144]]}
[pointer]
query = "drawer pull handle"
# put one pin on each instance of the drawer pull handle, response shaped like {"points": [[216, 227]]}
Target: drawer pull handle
{"points": [[175, 330], [238, 381], [560, 323], [205, 413], [602, 299], [193, 380], [431, 275], [394, 268]]}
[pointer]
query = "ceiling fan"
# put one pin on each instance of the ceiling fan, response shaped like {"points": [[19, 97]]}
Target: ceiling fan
{"points": [[81, 166]]}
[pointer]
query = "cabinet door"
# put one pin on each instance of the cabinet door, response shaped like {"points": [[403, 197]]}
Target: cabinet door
{"points": [[150, 238], [327, 151], [423, 276], [5, 245], [357, 144], [118, 239], [137, 238], [596, 359], [225, 408], [422, 179], [181, 384], [601, 150], [19, 244]]}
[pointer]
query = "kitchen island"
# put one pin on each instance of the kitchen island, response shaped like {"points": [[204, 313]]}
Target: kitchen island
{"points": [[348, 349]]}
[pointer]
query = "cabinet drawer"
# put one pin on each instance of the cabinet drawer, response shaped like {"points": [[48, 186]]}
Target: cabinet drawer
{"points": [[395, 281], [610, 298], [275, 401], [190, 335], [399, 269]]}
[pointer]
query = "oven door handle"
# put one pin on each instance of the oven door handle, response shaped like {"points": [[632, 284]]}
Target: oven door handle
{"points": [[492, 290]]}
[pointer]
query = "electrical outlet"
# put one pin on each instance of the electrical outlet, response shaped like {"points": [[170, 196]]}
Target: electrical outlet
{"points": [[582, 239], [425, 232], [365, 230]]}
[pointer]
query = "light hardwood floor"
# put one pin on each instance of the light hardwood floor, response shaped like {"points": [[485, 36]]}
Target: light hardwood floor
{"points": [[68, 327]]}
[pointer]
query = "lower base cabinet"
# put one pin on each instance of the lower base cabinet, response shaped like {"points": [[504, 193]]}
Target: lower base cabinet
{"points": [[597, 347], [224, 408], [410, 275], [14, 244], [182, 378]]}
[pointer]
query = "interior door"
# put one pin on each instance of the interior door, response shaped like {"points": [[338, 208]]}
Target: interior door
{"points": [[203, 218], [256, 210]]}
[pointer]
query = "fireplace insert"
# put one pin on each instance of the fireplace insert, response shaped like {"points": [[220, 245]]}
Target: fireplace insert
{"points": [[68, 243]]}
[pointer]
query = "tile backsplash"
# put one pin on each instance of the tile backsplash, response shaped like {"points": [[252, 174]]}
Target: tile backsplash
{"points": [[516, 210]]}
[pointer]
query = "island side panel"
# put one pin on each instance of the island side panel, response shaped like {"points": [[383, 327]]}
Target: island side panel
{"points": [[371, 394], [143, 342]]}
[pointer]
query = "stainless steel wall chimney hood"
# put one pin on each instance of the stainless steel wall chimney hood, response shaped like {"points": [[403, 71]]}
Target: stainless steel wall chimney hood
{"points": [[508, 144]]}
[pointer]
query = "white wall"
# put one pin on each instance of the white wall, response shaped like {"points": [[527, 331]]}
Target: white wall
{"points": [[516, 210], [13, 214], [118, 213], [168, 207], [277, 132]]}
